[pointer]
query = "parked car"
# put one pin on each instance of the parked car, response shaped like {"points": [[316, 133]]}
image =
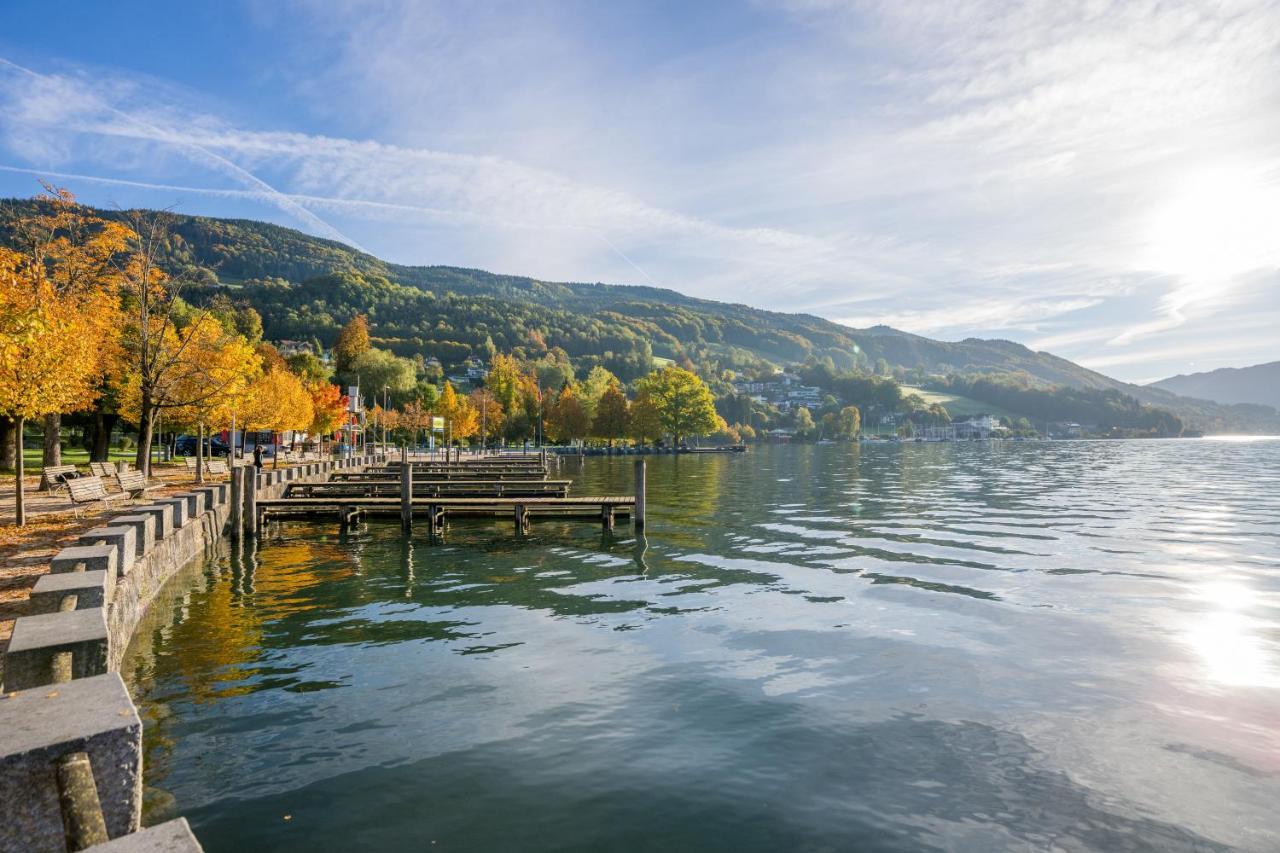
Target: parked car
{"points": [[185, 445]]}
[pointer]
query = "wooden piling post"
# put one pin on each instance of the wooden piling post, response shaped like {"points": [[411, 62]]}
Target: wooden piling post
{"points": [[638, 521], [406, 496], [237, 500], [522, 521], [250, 504]]}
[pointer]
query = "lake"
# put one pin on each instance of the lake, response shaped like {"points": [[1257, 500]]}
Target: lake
{"points": [[971, 647]]}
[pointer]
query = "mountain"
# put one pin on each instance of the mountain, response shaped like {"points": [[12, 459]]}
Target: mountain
{"points": [[1259, 384], [306, 287]]}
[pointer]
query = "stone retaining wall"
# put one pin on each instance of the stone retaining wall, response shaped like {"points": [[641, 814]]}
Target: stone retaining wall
{"points": [[63, 693]]}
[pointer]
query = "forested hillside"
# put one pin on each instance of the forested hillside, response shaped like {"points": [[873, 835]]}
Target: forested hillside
{"points": [[307, 287]]}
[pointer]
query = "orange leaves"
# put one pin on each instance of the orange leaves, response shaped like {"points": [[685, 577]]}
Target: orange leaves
{"points": [[329, 406]]}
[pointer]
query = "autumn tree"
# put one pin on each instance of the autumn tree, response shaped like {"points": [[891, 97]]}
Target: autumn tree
{"points": [[598, 380], [849, 422], [488, 412], [353, 341], [566, 419], [458, 412], [644, 419], [77, 253], [328, 407], [50, 344], [611, 419], [166, 341], [683, 401], [504, 382], [804, 425], [210, 385]]}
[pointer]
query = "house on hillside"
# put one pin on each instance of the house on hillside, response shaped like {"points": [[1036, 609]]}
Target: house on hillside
{"points": [[291, 348]]}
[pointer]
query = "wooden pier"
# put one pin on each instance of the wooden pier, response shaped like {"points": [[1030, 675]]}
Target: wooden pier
{"points": [[515, 488]]}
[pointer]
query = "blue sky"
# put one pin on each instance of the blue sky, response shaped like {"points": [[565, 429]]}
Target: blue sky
{"points": [[1101, 180]]}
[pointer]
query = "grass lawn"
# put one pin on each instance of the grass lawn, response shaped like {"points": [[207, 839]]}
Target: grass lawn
{"points": [[31, 457], [958, 406]]}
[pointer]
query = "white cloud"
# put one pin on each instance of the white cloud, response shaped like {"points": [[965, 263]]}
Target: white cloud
{"points": [[954, 168]]}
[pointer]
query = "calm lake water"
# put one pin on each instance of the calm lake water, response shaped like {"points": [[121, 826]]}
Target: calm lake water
{"points": [[1009, 646]]}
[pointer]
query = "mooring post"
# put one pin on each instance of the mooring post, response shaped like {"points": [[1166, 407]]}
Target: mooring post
{"points": [[82, 820], [237, 500], [250, 504], [406, 496], [640, 487]]}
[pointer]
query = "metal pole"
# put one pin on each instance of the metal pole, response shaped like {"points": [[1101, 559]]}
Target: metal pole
{"points": [[640, 495]]}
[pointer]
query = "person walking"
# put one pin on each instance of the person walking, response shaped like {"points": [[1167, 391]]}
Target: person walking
{"points": [[257, 456]]}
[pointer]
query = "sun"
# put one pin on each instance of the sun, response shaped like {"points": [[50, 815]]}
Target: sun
{"points": [[1216, 223]]}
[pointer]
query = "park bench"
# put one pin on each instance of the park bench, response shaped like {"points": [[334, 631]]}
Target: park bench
{"points": [[54, 477], [217, 467], [102, 469], [134, 483], [89, 489]]}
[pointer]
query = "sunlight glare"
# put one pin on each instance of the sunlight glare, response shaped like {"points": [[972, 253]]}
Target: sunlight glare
{"points": [[1217, 223]]}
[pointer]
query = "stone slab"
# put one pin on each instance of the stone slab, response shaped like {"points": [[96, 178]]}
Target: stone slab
{"points": [[144, 530], [37, 639], [92, 589], [179, 507], [37, 727], [122, 538], [175, 836], [163, 515], [195, 503], [92, 557]]}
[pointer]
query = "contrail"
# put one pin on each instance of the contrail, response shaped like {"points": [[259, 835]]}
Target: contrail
{"points": [[216, 161]]}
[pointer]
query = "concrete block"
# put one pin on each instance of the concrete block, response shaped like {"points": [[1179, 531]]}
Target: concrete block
{"points": [[92, 589], [175, 836], [37, 639], [122, 538], [209, 495], [85, 558], [163, 515], [195, 503], [144, 530], [179, 507], [37, 727]]}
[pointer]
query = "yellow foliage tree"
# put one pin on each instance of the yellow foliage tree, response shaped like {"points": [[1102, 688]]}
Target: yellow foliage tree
{"points": [[458, 412], [78, 254], [50, 344], [489, 413]]}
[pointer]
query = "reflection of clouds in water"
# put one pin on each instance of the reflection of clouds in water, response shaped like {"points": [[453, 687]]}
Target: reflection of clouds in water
{"points": [[1048, 595]]}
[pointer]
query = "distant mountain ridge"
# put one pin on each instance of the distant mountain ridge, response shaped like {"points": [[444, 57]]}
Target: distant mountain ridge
{"points": [[1259, 385], [306, 286]]}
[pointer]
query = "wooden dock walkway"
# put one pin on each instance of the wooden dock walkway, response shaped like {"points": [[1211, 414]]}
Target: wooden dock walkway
{"points": [[518, 488], [438, 510], [356, 488]]}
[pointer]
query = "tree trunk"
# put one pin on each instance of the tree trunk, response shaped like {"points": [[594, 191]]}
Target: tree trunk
{"points": [[20, 508], [103, 424], [6, 444], [142, 460], [52, 439]]}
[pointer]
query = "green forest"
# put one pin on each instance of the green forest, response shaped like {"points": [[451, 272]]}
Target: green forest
{"points": [[307, 288]]}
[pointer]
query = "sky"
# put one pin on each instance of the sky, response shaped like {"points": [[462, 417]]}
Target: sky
{"points": [[1100, 180]]}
